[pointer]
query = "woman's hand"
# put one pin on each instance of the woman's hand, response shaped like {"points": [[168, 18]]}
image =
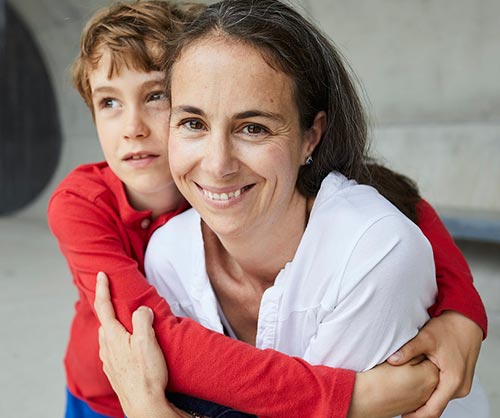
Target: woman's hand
{"points": [[133, 363], [452, 342], [386, 391]]}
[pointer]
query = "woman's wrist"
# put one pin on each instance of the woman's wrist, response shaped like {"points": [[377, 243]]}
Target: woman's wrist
{"points": [[153, 407]]}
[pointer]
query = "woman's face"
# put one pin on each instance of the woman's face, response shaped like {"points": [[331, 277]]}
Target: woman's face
{"points": [[235, 142]]}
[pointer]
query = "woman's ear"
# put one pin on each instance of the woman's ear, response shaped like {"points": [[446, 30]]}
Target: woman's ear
{"points": [[313, 135]]}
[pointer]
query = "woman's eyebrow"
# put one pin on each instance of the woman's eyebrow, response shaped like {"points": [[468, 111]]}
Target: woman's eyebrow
{"points": [[258, 113], [241, 115], [187, 109]]}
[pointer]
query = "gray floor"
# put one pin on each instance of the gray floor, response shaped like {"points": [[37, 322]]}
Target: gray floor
{"points": [[36, 301]]}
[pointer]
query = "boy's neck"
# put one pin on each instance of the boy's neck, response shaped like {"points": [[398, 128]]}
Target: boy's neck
{"points": [[163, 201]]}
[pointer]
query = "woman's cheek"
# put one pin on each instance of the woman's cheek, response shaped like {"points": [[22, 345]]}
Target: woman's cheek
{"points": [[182, 155]]}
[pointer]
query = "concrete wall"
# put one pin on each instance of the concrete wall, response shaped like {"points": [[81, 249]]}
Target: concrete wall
{"points": [[430, 71]]}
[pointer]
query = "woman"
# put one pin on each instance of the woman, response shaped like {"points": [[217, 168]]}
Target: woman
{"points": [[242, 156]]}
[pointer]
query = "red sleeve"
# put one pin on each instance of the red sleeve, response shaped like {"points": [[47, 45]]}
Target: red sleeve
{"points": [[456, 290], [202, 363]]}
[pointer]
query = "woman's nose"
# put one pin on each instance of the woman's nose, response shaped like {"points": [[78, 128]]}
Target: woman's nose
{"points": [[219, 159]]}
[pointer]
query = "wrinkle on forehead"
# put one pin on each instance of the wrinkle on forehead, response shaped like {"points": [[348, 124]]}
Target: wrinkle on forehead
{"points": [[240, 67]]}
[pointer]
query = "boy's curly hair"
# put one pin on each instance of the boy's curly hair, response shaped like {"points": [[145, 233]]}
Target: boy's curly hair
{"points": [[135, 33]]}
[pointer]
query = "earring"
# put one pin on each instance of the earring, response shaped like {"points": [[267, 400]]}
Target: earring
{"points": [[309, 160]]}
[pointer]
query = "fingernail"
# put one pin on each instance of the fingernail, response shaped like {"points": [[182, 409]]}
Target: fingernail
{"points": [[101, 276], [145, 308], [396, 356]]}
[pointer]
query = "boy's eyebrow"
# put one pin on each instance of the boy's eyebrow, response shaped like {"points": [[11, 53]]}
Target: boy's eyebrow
{"points": [[155, 82], [242, 115], [103, 89], [146, 85]]}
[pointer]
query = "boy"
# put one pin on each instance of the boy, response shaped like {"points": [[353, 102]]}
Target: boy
{"points": [[103, 215]]}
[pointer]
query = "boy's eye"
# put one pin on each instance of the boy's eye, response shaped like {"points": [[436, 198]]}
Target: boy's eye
{"points": [[110, 103], [157, 95]]}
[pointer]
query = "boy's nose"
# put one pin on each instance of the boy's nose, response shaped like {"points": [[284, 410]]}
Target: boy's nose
{"points": [[135, 126]]}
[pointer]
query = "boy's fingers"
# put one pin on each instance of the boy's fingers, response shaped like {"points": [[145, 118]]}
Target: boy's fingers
{"points": [[417, 360], [434, 407], [102, 303], [411, 349]]}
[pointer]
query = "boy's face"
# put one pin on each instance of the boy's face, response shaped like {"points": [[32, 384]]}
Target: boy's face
{"points": [[132, 117]]}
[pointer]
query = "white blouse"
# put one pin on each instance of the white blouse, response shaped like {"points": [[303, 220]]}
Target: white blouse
{"points": [[357, 289]]}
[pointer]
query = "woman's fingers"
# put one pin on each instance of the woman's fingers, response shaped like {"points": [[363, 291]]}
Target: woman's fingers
{"points": [[102, 303], [142, 321], [145, 349], [104, 308]]}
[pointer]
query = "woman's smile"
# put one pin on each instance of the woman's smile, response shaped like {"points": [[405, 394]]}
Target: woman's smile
{"points": [[224, 197]]}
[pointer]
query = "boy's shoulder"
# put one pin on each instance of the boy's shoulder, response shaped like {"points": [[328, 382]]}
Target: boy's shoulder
{"points": [[90, 181]]}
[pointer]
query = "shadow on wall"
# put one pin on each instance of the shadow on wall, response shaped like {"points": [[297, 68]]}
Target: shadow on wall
{"points": [[30, 136]]}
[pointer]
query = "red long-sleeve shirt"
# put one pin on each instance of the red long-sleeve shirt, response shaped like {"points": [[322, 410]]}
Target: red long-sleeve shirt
{"points": [[98, 230]]}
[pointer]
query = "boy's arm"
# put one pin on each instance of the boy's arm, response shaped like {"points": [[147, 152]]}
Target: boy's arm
{"points": [[458, 307], [135, 365], [203, 363], [456, 291]]}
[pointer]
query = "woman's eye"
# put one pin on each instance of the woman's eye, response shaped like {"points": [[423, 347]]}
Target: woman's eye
{"points": [[110, 103], [254, 129], [193, 124]]}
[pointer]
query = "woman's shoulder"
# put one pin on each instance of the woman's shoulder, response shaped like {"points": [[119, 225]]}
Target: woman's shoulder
{"points": [[343, 203], [349, 215], [179, 235]]}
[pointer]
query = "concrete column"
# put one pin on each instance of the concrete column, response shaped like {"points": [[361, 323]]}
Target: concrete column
{"points": [[2, 18], [2, 34], [3, 59]]}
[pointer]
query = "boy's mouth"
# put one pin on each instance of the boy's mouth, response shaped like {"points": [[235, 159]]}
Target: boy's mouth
{"points": [[138, 156]]}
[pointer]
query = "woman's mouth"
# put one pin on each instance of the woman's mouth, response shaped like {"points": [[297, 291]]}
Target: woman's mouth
{"points": [[225, 196]]}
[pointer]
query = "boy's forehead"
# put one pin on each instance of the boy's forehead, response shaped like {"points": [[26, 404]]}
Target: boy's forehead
{"points": [[151, 55], [113, 62], [106, 61], [107, 74]]}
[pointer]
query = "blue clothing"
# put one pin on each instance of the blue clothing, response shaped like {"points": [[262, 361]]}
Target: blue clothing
{"points": [[205, 408], [76, 408]]}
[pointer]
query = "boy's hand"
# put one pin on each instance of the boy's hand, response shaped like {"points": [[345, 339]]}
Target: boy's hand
{"points": [[452, 342], [387, 391]]}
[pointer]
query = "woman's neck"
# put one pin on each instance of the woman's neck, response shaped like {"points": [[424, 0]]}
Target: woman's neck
{"points": [[261, 253], [241, 269]]}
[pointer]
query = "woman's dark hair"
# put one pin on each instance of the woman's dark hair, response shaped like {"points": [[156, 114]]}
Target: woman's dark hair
{"points": [[321, 81]]}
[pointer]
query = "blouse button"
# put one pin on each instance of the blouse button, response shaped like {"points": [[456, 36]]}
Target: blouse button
{"points": [[145, 223]]}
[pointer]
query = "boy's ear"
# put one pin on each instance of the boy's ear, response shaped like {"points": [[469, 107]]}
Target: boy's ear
{"points": [[314, 134]]}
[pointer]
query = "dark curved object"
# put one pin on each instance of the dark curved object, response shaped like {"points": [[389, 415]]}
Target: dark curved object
{"points": [[30, 136]]}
